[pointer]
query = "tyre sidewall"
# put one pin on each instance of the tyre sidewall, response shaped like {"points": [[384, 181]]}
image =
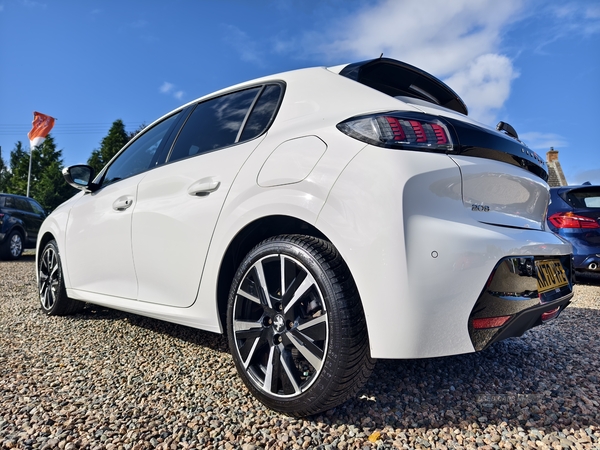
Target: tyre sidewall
{"points": [[6, 251], [321, 387], [61, 295]]}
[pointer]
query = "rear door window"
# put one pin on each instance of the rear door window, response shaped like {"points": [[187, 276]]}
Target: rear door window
{"points": [[228, 120], [263, 112], [214, 124]]}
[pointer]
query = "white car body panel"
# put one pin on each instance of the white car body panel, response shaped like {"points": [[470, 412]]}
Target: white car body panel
{"points": [[108, 267], [292, 161], [169, 268], [427, 247], [509, 195]]}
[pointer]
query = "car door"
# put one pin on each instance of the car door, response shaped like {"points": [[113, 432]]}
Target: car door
{"points": [[179, 203], [37, 217], [98, 235]]}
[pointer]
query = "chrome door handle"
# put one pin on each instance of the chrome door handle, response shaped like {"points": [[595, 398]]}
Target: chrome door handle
{"points": [[122, 203], [203, 187]]}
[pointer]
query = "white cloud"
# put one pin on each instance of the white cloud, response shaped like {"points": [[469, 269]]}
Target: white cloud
{"points": [[484, 85], [543, 141], [458, 40], [241, 43], [169, 89], [436, 35], [166, 87]]}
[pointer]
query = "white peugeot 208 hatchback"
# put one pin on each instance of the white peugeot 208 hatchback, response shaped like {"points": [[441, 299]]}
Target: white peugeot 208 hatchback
{"points": [[321, 218]]}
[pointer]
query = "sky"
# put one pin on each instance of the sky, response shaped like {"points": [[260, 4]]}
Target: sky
{"points": [[532, 63]]}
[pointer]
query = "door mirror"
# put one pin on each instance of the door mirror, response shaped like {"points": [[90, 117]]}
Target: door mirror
{"points": [[79, 177]]}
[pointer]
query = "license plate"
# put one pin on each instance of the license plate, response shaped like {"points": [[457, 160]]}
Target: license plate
{"points": [[550, 275]]}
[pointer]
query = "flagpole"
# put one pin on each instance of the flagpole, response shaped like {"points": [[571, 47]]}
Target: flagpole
{"points": [[29, 173]]}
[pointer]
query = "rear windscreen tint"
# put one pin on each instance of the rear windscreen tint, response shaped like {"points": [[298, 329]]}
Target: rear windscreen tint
{"points": [[584, 198]]}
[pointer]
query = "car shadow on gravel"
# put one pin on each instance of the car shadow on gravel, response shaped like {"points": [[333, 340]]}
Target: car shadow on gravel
{"points": [[193, 336], [545, 380]]}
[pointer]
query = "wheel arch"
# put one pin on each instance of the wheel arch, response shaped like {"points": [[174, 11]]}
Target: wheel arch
{"points": [[18, 227], [43, 240], [248, 237]]}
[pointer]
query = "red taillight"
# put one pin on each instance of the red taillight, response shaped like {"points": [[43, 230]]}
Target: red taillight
{"points": [[570, 220], [400, 130], [419, 131], [397, 130], [490, 322], [550, 314]]}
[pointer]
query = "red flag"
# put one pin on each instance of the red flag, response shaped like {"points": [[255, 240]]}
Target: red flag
{"points": [[42, 124]]}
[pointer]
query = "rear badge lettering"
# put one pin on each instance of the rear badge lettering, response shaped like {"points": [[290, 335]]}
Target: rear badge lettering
{"points": [[480, 208]]}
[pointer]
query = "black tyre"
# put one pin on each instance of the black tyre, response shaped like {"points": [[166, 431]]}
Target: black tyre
{"points": [[53, 295], [296, 326], [12, 248]]}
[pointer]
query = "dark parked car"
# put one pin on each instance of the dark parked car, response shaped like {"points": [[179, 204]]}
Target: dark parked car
{"points": [[20, 220], [574, 214]]}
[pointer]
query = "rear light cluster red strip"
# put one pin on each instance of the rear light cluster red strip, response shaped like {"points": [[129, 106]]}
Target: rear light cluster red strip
{"points": [[413, 131], [570, 220]]}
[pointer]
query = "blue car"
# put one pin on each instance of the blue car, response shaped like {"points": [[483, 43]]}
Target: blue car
{"points": [[574, 214]]}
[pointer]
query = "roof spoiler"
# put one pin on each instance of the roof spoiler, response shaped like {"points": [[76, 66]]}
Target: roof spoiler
{"points": [[397, 78]]}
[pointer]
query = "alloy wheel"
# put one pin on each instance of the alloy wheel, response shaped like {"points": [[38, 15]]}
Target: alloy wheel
{"points": [[280, 326], [16, 245], [50, 278]]}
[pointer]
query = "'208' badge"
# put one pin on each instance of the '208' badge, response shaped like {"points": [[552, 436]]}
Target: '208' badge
{"points": [[480, 208]]}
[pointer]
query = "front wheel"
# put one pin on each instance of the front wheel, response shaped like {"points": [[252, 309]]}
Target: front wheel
{"points": [[53, 295], [296, 327]]}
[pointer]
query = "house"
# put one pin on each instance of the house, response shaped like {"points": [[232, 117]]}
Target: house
{"points": [[556, 177]]}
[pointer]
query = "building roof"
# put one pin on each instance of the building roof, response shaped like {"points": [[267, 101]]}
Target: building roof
{"points": [[556, 177]]}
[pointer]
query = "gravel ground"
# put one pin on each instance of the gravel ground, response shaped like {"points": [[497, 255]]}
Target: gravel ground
{"points": [[106, 379]]}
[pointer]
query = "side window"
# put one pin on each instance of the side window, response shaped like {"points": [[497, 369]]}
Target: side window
{"points": [[2, 201], [36, 207], [138, 157], [214, 124], [22, 205], [262, 113], [9, 202]]}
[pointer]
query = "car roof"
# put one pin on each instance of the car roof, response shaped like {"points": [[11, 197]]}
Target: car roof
{"points": [[575, 187]]}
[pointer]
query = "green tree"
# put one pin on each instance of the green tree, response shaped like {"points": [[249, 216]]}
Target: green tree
{"points": [[3, 174], [47, 184], [19, 167], [110, 145]]}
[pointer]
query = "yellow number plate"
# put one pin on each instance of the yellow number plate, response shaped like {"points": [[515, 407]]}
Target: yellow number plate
{"points": [[550, 275]]}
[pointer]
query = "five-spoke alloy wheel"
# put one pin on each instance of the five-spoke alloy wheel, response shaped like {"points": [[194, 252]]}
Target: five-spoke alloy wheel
{"points": [[296, 326]]}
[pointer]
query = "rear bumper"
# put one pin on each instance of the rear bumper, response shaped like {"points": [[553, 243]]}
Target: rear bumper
{"points": [[511, 304], [587, 262], [419, 255]]}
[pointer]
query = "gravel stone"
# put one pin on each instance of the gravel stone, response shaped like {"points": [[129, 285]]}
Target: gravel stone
{"points": [[104, 379]]}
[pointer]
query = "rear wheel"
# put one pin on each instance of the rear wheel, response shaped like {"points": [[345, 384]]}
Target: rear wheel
{"points": [[13, 246], [53, 295], [296, 327]]}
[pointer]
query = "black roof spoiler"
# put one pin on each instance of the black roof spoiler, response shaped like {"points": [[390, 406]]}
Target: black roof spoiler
{"points": [[397, 78]]}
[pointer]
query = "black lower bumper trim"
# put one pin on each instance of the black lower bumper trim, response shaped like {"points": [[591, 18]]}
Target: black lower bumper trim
{"points": [[512, 291]]}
